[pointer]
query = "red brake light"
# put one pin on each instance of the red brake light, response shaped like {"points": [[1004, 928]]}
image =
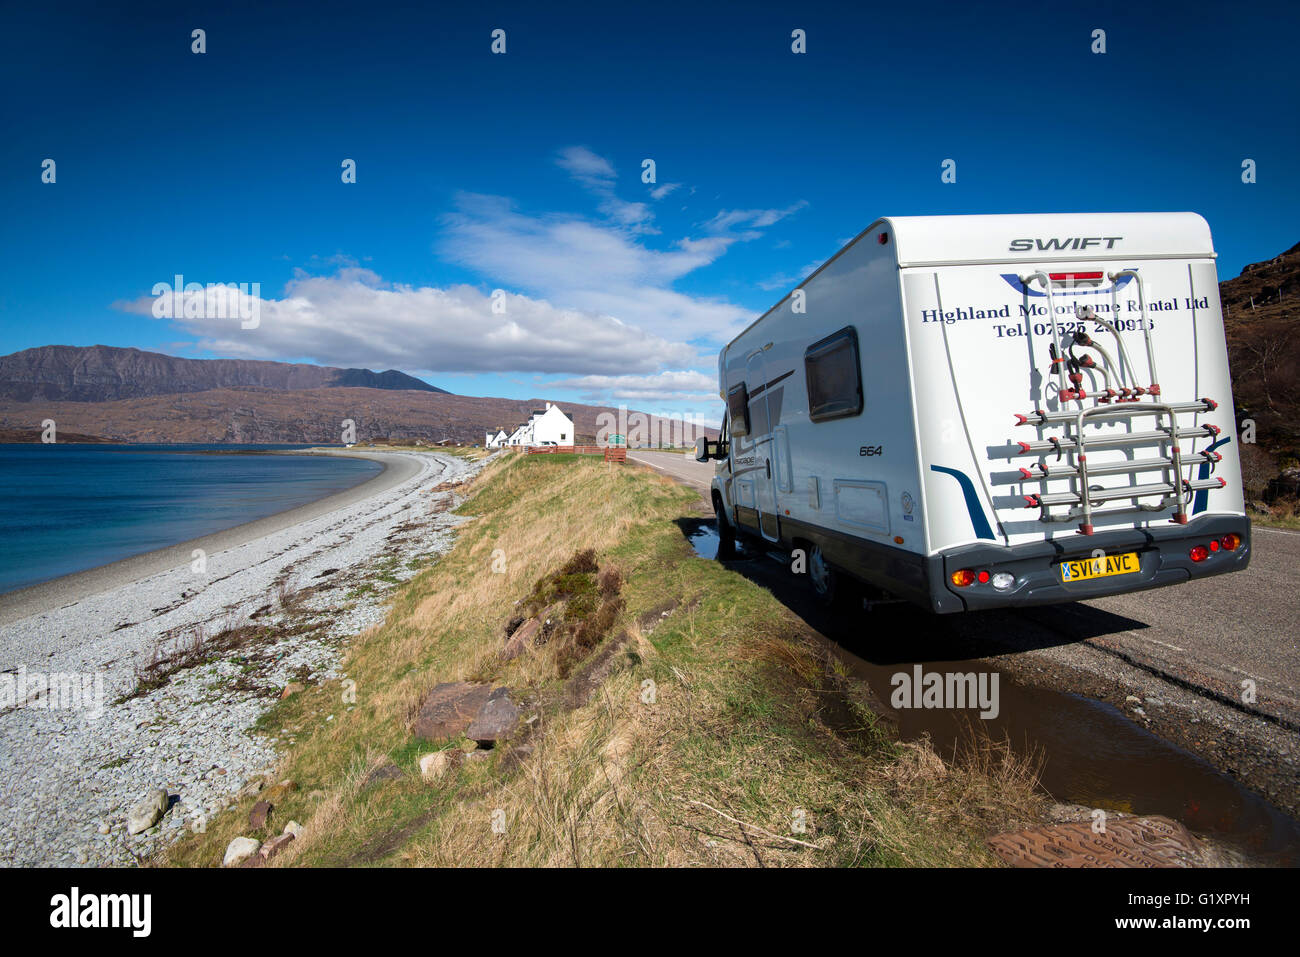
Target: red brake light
{"points": [[1231, 541], [1199, 553], [1214, 545], [983, 577], [963, 577], [1069, 276]]}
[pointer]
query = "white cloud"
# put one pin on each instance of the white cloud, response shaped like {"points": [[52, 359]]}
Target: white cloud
{"points": [[353, 318], [595, 267], [597, 175], [586, 167], [628, 214], [755, 219]]}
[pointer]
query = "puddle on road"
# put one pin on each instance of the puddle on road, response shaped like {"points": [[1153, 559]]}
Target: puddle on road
{"points": [[1095, 756], [1092, 753]]}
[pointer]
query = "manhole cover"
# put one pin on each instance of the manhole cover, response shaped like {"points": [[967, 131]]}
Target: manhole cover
{"points": [[1128, 842]]}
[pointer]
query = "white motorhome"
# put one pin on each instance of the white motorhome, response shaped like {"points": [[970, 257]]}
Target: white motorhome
{"points": [[979, 411]]}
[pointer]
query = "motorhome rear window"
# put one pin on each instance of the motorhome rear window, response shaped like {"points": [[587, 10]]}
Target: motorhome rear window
{"points": [[834, 376], [738, 406]]}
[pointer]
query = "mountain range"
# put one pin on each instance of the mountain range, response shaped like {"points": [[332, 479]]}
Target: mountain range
{"points": [[105, 374], [107, 394]]}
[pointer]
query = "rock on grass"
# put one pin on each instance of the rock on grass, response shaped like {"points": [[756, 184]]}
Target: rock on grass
{"points": [[258, 816], [495, 720], [435, 765], [448, 709], [240, 850]]}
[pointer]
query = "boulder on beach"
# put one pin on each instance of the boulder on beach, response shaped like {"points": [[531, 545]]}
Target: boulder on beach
{"points": [[148, 812]]}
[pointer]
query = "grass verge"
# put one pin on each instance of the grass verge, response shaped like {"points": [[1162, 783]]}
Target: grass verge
{"points": [[1279, 515], [674, 713]]}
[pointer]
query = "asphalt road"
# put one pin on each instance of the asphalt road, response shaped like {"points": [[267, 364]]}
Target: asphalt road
{"points": [[1208, 635], [682, 467]]}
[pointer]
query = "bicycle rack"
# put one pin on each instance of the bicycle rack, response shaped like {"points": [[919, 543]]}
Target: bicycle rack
{"points": [[1083, 501]]}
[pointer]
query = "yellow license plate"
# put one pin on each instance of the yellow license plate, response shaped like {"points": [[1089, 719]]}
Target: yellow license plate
{"points": [[1104, 567]]}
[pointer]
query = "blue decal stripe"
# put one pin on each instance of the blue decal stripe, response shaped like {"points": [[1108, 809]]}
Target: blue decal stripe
{"points": [[1200, 502], [978, 519]]}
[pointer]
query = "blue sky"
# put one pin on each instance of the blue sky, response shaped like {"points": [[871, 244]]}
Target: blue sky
{"points": [[522, 171]]}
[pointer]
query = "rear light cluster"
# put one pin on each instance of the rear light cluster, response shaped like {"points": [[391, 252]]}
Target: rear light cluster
{"points": [[965, 577], [1228, 543]]}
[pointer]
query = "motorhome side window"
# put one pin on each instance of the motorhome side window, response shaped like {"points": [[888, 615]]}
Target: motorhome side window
{"points": [[738, 409], [834, 376]]}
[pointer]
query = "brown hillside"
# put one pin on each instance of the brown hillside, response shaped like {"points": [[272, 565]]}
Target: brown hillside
{"points": [[256, 416], [1261, 308]]}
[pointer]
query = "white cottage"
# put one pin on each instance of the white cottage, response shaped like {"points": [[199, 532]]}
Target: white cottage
{"points": [[552, 427], [548, 426]]}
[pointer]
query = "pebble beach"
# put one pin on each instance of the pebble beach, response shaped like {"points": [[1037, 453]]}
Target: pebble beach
{"points": [[73, 774]]}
